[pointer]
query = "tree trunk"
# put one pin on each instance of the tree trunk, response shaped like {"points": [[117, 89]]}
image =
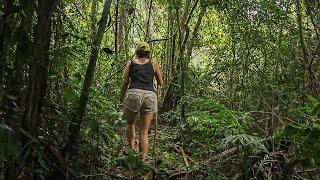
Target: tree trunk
{"points": [[171, 96], [116, 24], [120, 24], [314, 85], [168, 100], [126, 39], [37, 85], [314, 15], [93, 19], [189, 48], [183, 56], [57, 82], [148, 24], [38, 79], [230, 89], [15, 83], [195, 32], [183, 71], [5, 33], [167, 65], [77, 119]]}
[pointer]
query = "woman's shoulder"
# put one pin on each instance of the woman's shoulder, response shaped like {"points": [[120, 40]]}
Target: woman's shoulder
{"points": [[140, 61], [154, 62], [128, 63]]}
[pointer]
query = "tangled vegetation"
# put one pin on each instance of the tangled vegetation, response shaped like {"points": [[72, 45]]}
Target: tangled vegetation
{"points": [[241, 98]]}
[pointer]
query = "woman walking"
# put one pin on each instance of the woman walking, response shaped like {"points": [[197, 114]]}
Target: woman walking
{"points": [[139, 95]]}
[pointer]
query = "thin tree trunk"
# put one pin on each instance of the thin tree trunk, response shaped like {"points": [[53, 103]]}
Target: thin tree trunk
{"points": [[93, 19], [121, 23], [305, 52], [171, 98], [77, 119], [59, 40], [231, 77], [309, 64], [126, 38], [183, 71], [314, 20], [306, 57], [183, 58], [148, 24], [168, 100], [195, 32], [167, 58], [116, 24]]}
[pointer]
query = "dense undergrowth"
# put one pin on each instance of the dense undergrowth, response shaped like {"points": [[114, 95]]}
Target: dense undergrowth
{"points": [[240, 99], [213, 143]]}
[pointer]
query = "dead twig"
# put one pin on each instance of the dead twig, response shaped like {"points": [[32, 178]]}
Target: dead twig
{"points": [[173, 176], [314, 170]]}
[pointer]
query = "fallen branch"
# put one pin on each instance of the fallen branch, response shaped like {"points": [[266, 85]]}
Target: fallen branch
{"points": [[184, 158], [178, 174], [314, 170], [184, 155], [154, 40], [224, 153], [102, 174]]}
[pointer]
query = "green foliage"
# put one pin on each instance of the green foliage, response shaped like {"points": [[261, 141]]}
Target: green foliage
{"points": [[9, 141], [41, 168], [69, 95], [246, 58], [315, 105], [307, 137], [206, 117]]}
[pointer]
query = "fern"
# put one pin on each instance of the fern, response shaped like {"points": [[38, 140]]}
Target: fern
{"points": [[207, 117], [315, 104], [247, 141], [306, 137]]}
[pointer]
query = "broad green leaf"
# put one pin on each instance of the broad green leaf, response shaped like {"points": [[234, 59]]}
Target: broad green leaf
{"points": [[69, 95]]}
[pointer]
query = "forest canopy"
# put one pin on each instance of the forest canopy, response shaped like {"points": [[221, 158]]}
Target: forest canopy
{"points": [[241, 93]]}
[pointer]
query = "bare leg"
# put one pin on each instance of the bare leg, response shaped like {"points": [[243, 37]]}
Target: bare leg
{"points": [[131, 131], [144, 127]]}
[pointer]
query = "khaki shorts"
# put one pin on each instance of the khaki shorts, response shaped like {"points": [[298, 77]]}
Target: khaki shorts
{"points": [[142, 101]]}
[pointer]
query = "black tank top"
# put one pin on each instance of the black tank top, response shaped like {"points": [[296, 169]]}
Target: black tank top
{"points": [[141, 76]]}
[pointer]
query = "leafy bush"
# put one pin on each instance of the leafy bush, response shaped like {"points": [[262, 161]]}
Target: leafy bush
{"points": [[206, 117], [306, 137], [9, 143]]}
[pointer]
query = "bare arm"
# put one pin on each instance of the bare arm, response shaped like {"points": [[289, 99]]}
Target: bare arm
{"points": [[125, 82], [158, 73]]}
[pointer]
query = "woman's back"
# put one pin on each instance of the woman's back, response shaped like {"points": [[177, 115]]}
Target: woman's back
{"points": [[141, 74]]}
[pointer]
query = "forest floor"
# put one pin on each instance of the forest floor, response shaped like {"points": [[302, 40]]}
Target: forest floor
{"points": [[170, 161]]}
